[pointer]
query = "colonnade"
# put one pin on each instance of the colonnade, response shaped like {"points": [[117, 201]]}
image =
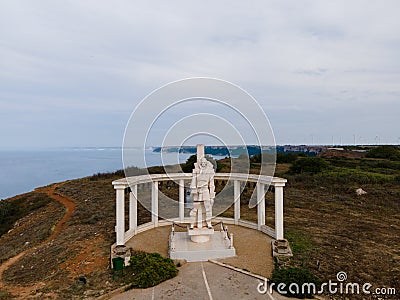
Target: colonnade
{"points": [[122, 236]]}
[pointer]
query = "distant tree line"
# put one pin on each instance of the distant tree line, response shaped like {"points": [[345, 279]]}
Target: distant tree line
{"points": [[281, 157]]}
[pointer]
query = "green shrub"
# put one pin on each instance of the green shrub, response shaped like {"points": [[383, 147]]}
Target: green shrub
{"points": [[256, 158], [280, 157], [189, 165], [341, 175], [151, 269], [156, 170], [290, 157], [311, 165], [386, 164], [295, 275], [343, 162], [129, 171], [299, 242], [388, 152]]}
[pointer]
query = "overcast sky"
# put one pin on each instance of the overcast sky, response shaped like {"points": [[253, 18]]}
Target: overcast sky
{"points": [[71, 72]]}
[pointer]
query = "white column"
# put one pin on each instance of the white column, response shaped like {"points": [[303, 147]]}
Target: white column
{"points": [[154, 203], [181, 200], [133, 209], [260, 205], [279, 210], [236, 196], [120, 214]]}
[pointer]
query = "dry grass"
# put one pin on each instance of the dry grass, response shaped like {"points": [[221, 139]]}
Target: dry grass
{"points": [[32, 229]]}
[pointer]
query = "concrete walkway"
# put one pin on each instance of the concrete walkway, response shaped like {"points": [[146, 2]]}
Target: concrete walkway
{"points": [[203, 281], [206, 280]]}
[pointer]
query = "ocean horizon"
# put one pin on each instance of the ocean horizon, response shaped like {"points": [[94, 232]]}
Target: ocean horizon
{"points": [[22, 171]]}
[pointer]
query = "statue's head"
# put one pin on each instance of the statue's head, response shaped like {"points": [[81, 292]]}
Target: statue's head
{"points": [[203, 162]]}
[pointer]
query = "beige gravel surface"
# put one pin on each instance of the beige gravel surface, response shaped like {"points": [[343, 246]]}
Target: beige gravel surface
{"points": [[253, 248]]}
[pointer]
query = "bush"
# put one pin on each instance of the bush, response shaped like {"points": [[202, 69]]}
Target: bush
{"points": [[151, 269], [311, 165], [300, 243], [129, 171], [279, 157], [342, 175], [298, 276], [286, 157], [387, 152], [189, 165], [264, 157]]}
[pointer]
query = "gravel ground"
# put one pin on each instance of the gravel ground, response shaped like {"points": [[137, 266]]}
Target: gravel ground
{"points": [[253, 248]]}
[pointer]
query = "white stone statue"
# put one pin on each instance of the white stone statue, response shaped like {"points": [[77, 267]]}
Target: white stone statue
{"points": [[202, 190]]}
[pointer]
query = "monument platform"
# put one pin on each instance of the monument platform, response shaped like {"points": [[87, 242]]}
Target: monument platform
{"points": [[200, 235], [181, 247]]}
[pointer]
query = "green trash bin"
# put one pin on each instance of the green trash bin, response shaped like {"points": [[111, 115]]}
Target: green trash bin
{"points": [[118, 265]]}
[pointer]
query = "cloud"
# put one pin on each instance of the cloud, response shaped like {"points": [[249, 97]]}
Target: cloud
{"points": [[97, 56]]}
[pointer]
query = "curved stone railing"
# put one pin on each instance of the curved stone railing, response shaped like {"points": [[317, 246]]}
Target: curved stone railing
{"points": [[120, 185]]}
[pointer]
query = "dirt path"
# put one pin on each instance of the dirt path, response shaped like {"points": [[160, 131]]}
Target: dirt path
{"points": [[70, 207]]}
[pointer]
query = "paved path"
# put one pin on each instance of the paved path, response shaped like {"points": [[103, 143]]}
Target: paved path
{"points": [[203, 281]]}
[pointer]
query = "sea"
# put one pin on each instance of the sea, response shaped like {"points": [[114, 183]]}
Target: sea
{"points": [[22, 171]]}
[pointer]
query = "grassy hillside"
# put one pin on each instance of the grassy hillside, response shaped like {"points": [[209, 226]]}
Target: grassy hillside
{"points": [[325, 221]]}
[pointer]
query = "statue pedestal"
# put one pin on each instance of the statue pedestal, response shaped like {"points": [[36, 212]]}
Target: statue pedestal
{"points": [[200, 235], [181, 246]]}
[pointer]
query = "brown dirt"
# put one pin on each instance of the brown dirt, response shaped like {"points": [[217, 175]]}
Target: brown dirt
{"points": [[89, 258]]}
